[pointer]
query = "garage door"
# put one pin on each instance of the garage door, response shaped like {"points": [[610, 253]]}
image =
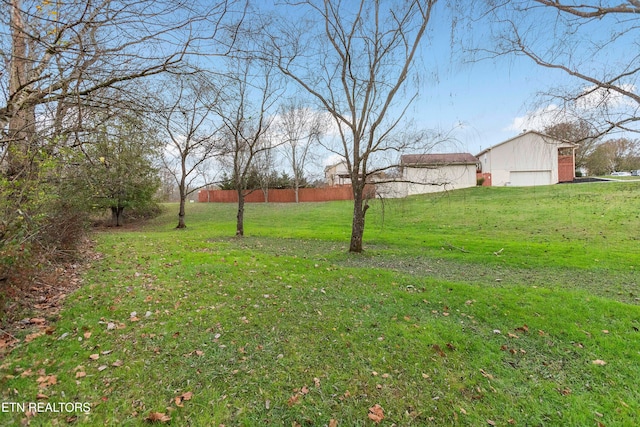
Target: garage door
{"points": [[530, 178]]}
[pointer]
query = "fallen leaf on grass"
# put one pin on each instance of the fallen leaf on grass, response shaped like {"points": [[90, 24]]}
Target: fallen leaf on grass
{"points": [[46, 380], [87, 335], [376, 413], [117, 363], [485, 374], [81, 374], [182, 398], [438, 350], [293, 400], [41, 396], [491, 422], [95, 356], [154, 417], [316, 381], [333, 423], [599, 362], [33, 336], [523, 328]]}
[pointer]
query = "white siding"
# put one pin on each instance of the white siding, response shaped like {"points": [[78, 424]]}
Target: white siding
{"points": [[434, 179]]}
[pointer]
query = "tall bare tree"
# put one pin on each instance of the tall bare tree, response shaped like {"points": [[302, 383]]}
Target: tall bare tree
{"points": [[593, 43], [355, 59], [187, 118], [246, 113], [66, 52], [299, 128]]}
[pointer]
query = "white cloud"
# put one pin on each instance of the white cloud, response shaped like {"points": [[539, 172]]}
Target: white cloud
{"points": [[592, 102], [539, 119], [333, 159]]}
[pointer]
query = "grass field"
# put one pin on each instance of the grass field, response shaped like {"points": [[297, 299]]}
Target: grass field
{"points": [[486, 306]]}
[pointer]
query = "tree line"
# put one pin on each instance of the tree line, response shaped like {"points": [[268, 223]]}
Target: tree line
{"points": [[103, 99]]}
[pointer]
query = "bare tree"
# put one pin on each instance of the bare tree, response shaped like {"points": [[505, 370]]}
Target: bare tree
{"points": [[578, 132], [187, 119], [246, 114], [65, 53], [300, 128], [594, 43], [354, 58]]}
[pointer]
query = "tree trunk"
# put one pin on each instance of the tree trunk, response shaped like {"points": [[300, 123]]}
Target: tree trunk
{"points": [[116, 216], [240, 216], [360, 206], [21, 126], [183, 199], [296, 187]]}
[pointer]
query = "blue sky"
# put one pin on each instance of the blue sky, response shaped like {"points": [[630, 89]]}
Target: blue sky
{"points": [[495, 99], [486, 101]]}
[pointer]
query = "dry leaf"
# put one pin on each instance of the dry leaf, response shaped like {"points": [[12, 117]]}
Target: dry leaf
{"points": [[95, 356], [293, 400], [154, 417], [304, 390], [183, 397], [491, 422], [462, 411], [333, 423], [485, 374], [33, 336], [87, 335], [81, 374], [316, 381], [599, 362], [376, 414], [117, 363], [46, 380], [41, 396]]}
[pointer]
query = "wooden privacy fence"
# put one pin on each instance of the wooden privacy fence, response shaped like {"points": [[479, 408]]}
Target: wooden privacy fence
{"points": [[288, 195]]}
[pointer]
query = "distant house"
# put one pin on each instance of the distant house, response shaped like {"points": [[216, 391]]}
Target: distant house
{"points": [[531, 158], [337, 174], [430, 173]]}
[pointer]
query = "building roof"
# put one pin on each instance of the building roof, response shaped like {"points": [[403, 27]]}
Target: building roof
{"points": [[543, 135], [439, 159]]}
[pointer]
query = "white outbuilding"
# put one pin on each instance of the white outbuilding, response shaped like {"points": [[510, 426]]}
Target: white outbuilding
{"points": [[430, 173], [529, 159]]}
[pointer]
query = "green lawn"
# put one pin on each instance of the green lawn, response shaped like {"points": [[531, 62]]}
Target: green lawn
{"points": [[486, 306]]}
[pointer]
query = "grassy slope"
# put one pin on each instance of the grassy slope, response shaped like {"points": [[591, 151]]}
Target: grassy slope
{"points": [[285, 327]]}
